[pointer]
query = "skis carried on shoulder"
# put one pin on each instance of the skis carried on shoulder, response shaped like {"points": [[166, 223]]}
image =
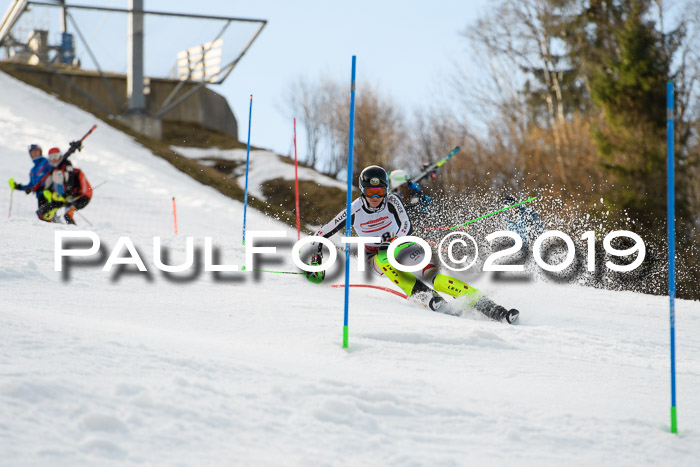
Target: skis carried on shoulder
{"points": [[75, 146]]}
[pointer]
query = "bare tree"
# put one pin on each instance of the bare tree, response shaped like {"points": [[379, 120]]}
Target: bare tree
{"points": [[305, 104], [527, 36], [380, 128]]}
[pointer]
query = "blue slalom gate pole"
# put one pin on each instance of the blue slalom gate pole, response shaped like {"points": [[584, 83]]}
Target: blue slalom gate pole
{"points": [[247, 166], [671, 208], [348, 213]]}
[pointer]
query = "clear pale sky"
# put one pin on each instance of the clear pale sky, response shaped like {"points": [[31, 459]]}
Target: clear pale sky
{"points": [[405, 48]]}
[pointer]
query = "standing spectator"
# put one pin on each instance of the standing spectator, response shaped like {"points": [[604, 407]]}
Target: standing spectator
{"points": [[37, 174]]}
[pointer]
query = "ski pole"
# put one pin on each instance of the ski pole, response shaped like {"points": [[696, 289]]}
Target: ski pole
{"points": [[84, 218], [99, 185], [12, 192]]}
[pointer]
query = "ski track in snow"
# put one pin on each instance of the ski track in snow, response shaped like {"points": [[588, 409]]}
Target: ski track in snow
{"points": [[128, 368]]}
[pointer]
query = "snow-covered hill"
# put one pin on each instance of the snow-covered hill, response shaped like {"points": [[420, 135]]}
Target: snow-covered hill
{"points": [[264, 165], [131, 368]]}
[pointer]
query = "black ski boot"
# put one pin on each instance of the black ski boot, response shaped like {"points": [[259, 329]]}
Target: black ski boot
{"points": [[436, 303], [496, 312], [427, 297]]}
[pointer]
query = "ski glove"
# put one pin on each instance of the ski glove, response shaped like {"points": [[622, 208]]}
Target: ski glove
{"points": [[413, 187], [78, 145], [18, 186], [318, 276], [387, 238]]}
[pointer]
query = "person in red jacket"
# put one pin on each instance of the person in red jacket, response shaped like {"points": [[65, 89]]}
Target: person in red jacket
{"points": [[66, 186]]}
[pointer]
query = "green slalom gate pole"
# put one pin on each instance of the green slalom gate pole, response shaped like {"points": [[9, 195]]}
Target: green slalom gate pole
{"points": [[348, 213], [495, 212]]}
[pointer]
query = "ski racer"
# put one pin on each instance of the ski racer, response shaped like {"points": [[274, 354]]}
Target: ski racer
{"points": [[378, 213], [37, 173], [409, 192], [66, 186], [523, 220]]}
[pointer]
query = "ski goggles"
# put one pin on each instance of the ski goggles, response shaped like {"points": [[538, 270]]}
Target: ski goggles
{"points": [[375, 192], [55, 156]]}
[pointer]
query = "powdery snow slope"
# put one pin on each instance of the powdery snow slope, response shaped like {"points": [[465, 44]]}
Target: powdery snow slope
{"points": [[131, 368]]}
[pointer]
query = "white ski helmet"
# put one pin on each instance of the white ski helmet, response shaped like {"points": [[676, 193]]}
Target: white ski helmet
{"points": [[397, 178]]}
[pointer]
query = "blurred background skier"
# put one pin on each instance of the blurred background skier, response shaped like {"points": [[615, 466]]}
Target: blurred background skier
{"points": [[523, 220], [410, 192], [65, 187], [38, 172]]}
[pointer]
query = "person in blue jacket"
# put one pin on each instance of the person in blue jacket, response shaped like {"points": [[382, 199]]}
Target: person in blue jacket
{"points": [[523, 220], [37, 174]]}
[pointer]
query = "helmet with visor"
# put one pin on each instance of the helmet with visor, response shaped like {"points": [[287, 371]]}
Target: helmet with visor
{"points": [[374, 182]]}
